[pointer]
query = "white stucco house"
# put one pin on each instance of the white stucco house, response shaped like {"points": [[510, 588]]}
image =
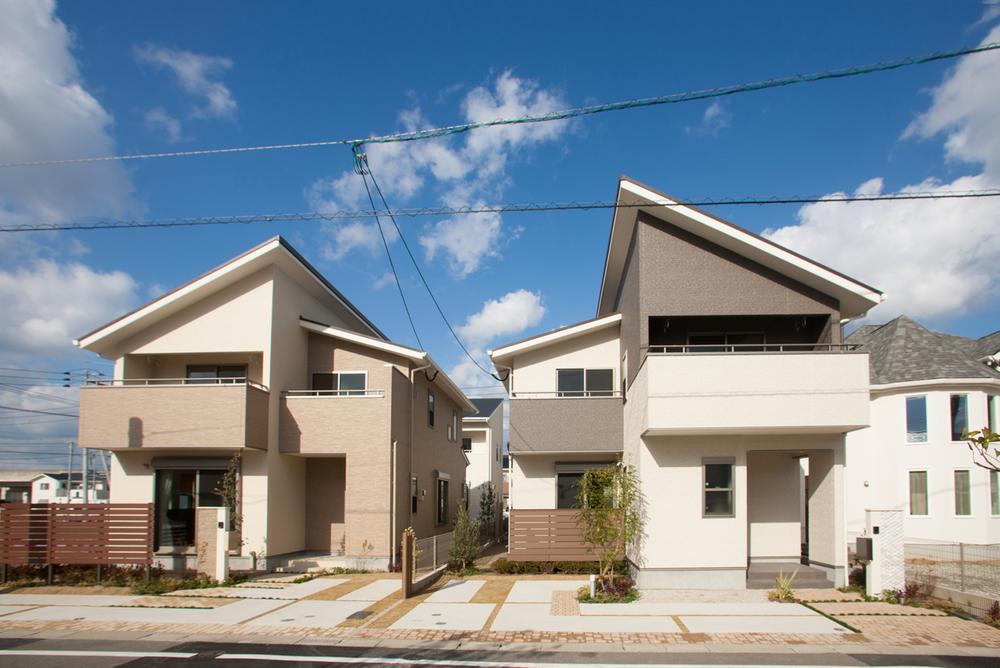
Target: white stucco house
{"points": [[52, 488], [926, 387], [714, 365], [482, 443]]}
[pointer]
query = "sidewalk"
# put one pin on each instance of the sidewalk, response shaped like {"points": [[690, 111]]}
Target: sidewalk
{"points": [[533, 612]]}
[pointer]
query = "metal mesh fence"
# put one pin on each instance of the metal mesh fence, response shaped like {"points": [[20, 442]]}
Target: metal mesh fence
{"points": [[433, 552], [961, 567]]}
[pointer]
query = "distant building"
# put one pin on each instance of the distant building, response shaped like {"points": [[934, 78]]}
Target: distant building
{"points": [[482, 443], [15, 485], [926, 387], [52, 488]]}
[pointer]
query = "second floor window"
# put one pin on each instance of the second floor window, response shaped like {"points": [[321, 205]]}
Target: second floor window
{"points": [[344, 383], [430, 408], [959, 415], [43, 485], [466, 445], [918, 492], [992, 408], [585, 382], [210, 374], [916, 419]]}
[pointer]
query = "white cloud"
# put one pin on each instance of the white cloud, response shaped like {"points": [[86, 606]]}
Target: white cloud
{"points": [[717, 117], [158, 120], [45, 113], [935, 259], [383, 281], [47, 305], [197, 75], [511, 314], [468, 171], [505, 317]]}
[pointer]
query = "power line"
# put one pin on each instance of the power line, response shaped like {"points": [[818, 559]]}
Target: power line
{"points": [[424, 281], [29, 410], [42, 395], [361, 166], [530, 207], [635, 103]]}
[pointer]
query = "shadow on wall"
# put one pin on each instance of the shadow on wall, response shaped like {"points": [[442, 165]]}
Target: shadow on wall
{"points": [[135, 432]]}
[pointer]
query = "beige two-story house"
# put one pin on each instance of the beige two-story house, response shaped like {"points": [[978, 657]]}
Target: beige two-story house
{"points": [[345, 438], [716, 369]]}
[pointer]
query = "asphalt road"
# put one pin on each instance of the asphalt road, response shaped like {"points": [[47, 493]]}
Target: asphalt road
{"points": [[78, 653]]}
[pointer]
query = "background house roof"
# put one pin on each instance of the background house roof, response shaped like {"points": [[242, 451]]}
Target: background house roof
{"points": [[484, 406], [902, 351]]}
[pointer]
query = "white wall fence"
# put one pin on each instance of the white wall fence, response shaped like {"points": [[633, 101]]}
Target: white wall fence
{"points": [[965, 573]]}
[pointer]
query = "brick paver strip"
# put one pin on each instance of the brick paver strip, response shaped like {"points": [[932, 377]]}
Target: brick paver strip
{"points": [[564, 604], [812, 595], [495, 590], [875, 608], [354, 582]]}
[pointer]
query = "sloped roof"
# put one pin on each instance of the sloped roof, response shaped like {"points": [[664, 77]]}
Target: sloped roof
{"points": [[855, 297], [485, 407], [904, 351]]}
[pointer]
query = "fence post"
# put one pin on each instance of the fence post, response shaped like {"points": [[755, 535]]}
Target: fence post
{"points": [[961, 566], [434, 560], [409, 539], [48, 534]]}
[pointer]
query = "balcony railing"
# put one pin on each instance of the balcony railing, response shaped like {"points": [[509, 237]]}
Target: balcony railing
{"points": [[378, 394], [730, 348], [593, 394], [173, 382]]}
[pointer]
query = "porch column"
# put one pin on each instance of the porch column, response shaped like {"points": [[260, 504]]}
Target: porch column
{"points": [[827, 537]]}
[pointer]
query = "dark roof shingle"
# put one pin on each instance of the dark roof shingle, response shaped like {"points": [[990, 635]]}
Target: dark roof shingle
{"points": [[903, 351], [484, 406]]}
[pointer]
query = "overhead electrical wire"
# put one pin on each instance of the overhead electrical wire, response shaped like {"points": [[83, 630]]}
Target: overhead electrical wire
{"points": [[30, 410], [427, 286], [531, 207], [574, 112], [361, 167]]}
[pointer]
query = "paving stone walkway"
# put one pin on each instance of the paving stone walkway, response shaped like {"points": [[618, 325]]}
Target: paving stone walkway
{"points": [[502, 610]]}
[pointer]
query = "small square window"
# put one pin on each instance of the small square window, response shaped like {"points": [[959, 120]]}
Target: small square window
{"points": [[466, 445]]}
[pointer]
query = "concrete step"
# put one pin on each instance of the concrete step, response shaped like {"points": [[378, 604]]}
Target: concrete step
{"points": [[762, 576]]}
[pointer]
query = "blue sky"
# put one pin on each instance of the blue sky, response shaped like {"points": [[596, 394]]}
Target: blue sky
{"points": [[121, 77]]}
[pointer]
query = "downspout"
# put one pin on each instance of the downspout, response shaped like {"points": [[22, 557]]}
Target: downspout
{"points": [[413, 398], [510, 393]]}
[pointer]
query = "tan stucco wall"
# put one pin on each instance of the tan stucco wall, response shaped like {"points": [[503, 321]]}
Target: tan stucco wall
{"points": [[535, 371], [325, 485], [533, 478]]}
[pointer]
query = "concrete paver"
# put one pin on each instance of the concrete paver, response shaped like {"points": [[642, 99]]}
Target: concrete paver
{"points": [[540, 591], [640, 608], [814, 623], [288, 593], [375, 591], [456, 591], [311, 614], [454, 616], [539, 617], [63, 599], [874, 608], [230, 614]]}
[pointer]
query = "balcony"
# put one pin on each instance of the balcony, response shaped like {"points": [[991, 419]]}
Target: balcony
{"points": [[170, 413], [805, 388], [547, 422], [332, 422]]}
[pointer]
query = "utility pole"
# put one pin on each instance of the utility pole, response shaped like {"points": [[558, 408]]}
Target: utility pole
{"points": [[69, 475], [86, 474]]}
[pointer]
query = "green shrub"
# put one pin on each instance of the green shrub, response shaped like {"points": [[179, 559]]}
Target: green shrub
{"points": [[610, 589], [465, 547], [508, 567], [783, 588]]}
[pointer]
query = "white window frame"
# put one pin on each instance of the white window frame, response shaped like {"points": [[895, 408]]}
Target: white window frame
{"points": [[994, 488], [909, 492], [954, 493], [906, 429], [951, 419], [337, 393]]}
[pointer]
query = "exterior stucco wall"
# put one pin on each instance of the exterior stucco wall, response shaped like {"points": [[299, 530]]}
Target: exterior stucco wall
{"points": [[325, 485], [533, 477], [679, 537], [568, 424], [682, 274], [535, 370], [879, 460], [773, 506]]}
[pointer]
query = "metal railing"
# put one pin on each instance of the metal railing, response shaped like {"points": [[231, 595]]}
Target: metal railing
{"points": [[334, 393], [593, 394], [174, 382], [434, 551], [968, 568], [753, 348]]}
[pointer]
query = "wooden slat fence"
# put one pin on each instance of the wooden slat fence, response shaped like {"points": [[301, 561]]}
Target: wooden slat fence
{"points": [[546, 535], [79, 534]]}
